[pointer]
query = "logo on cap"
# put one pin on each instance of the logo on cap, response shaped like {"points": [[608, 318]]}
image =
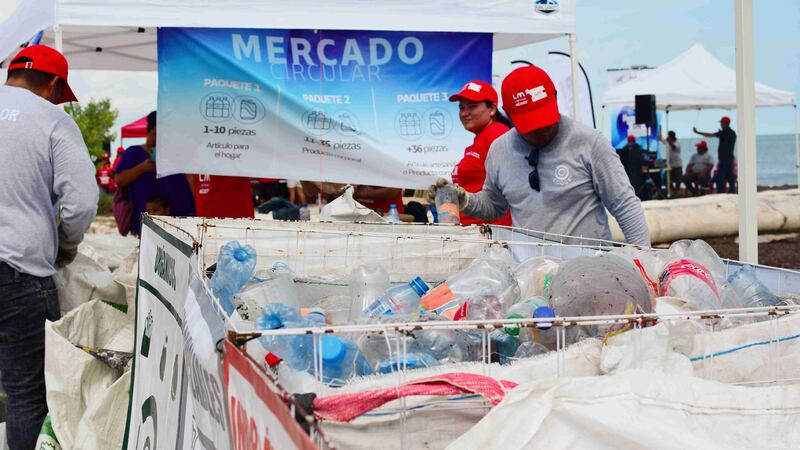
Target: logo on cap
{"points": [[545, 6], [473, 86]]}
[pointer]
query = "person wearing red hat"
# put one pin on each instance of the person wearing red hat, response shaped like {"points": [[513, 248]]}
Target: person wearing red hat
{"points": [[477, 109], [727, 142], [49, 198], [632, 158], [555, 174], [698, 172]]}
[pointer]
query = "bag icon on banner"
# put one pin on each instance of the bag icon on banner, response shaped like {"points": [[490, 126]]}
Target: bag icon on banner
{"points": [[437, 126], [248, 110]]}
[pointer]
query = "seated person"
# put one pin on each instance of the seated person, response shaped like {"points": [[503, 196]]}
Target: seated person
{"points": [[698, 172], [157, 206]]}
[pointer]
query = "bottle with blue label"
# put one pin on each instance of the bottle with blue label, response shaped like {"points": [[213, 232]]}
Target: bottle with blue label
{"points": [[399, 300], [235, 265], [341, 360], [394, 215]]}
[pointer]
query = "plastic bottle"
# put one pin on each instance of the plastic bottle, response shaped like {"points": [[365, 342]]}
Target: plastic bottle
{"points": [[399, 300], [394, 215], [411, 361], [750, 290], [367, 282], [447, 204], [278, 288], [317, 317], [305, 212], [341, 360], [504, 346], [235, 265], [535, 274], [691, 281], [523, 310], [434, 213], [295, 350], [529, 349], [445, 346]]}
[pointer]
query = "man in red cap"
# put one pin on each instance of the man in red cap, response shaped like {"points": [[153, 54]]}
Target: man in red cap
{"points": [[632, 158], [698, 172], [727, 142], [49, 199], [555, 174]]}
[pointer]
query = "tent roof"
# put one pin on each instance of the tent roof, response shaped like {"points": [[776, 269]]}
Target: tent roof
{"points": [[693, 80], [135, 129], [120, 34]]}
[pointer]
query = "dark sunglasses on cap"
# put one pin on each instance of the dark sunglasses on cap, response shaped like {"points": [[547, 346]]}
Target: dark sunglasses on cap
{"points": [[533, 177]]}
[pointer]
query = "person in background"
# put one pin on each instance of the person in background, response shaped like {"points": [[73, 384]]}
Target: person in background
{"points": [[296, 194], [158, 206], [221, 196], [674, 159], [379, 198], [632, 158], [105, 175], [725, 153], [698, 172], [557, 175], [49, 199], [137, 171], [477, 109]]}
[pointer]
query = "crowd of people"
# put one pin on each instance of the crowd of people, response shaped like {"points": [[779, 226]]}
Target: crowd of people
{"points": [[699, 177]]}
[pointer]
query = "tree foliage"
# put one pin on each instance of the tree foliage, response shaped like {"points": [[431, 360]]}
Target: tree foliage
{"points": [[95, 120]]}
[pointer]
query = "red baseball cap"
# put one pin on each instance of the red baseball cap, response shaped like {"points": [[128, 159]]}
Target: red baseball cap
{"points": [[47, 60], [725, 119], [476, 91], [631, 138], [701, 144], [529, 99]]}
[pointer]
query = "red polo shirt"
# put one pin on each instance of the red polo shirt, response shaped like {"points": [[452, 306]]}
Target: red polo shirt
{"points": [[470, 172], [219, 196]]}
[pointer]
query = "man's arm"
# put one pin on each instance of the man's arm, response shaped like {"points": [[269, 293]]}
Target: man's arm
{"points": [[702, 133], [126, 177], [73, 183], [617, 194], [488, 203]]}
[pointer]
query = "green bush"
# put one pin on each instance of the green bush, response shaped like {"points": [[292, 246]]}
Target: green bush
{"points": [[104, 203]]}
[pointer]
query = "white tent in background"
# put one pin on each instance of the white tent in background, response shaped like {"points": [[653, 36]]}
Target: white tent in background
{"points": [[693, 80]]}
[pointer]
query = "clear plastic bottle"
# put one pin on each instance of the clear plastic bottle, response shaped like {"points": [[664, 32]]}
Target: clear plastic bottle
{"points": [[691, 281], [399, 300], [529, 349], [294, 350], [523, 310], [278, 288], [504, 346], [447, 204], [235, 265], [367, 282], [394, 215], [411, 361], [750, 290], [446, 346], [341, 360], [317, 317], [535, 274], [305, 212]]}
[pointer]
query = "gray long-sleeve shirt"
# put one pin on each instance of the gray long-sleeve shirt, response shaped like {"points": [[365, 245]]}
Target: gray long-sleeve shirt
{"points": [[44, 167], [580, 176]]}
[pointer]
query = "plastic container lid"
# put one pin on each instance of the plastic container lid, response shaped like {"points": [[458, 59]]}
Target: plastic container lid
{"points": [[332, 349], [271, 322], [542, 312], [515, 330], [420, 287], [240, 254]]}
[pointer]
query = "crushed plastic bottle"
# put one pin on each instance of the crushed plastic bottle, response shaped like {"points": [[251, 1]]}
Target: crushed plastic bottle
{"points": [[235, 265], [535, 274], [504, 346], [447, 205], [692, 281], [341, 360], [367, 282], [411, 361], [523, 310], [485, 279], [279, 287], [446, 346], [305, 212], [316, 316], [294, 350], [530, 349], [750, 290], [394, 215], [399, 300]]}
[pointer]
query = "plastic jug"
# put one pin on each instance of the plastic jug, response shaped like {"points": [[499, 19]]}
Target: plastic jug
{"points": [[235, 265], [367, 282]]}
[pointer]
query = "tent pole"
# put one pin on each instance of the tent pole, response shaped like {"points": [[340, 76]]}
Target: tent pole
{"points": [[59, 38], [745, 114], [669, 168], [573, 59], [797, 143]]}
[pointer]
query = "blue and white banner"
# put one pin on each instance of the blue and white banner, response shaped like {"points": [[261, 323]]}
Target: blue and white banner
{"points": [[365, 107]]}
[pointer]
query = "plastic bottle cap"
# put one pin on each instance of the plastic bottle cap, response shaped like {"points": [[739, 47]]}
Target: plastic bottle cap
{"points": [[271, 322], [515, 330], [332, 349], [419, 286], [240, 254], [272, 359], [304, 205], [392, 205], [543, 312]]}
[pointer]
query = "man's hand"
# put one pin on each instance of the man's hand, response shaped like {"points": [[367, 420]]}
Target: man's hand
{"points": [[463, 196], [66, 254]]}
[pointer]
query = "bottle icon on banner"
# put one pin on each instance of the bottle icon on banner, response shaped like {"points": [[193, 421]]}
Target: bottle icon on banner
{"points": [[347, 123], [436, 123], [410, 124], [218, 107], [317, 120]]}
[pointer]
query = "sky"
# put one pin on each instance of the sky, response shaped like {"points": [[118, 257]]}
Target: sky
{"points": [[611, 34]]}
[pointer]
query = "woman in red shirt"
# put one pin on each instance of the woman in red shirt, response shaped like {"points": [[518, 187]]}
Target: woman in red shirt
{"points": [[477, 109]]}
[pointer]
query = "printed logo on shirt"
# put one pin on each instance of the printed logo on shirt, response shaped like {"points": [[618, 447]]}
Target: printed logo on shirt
{"points": [[562, 176], [9, 115], [474, 154]]}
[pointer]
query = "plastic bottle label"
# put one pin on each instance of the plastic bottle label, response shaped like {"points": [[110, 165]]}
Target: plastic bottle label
{"points": [[647, 279], [448, 213], [685, 267], [441, 301]]}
